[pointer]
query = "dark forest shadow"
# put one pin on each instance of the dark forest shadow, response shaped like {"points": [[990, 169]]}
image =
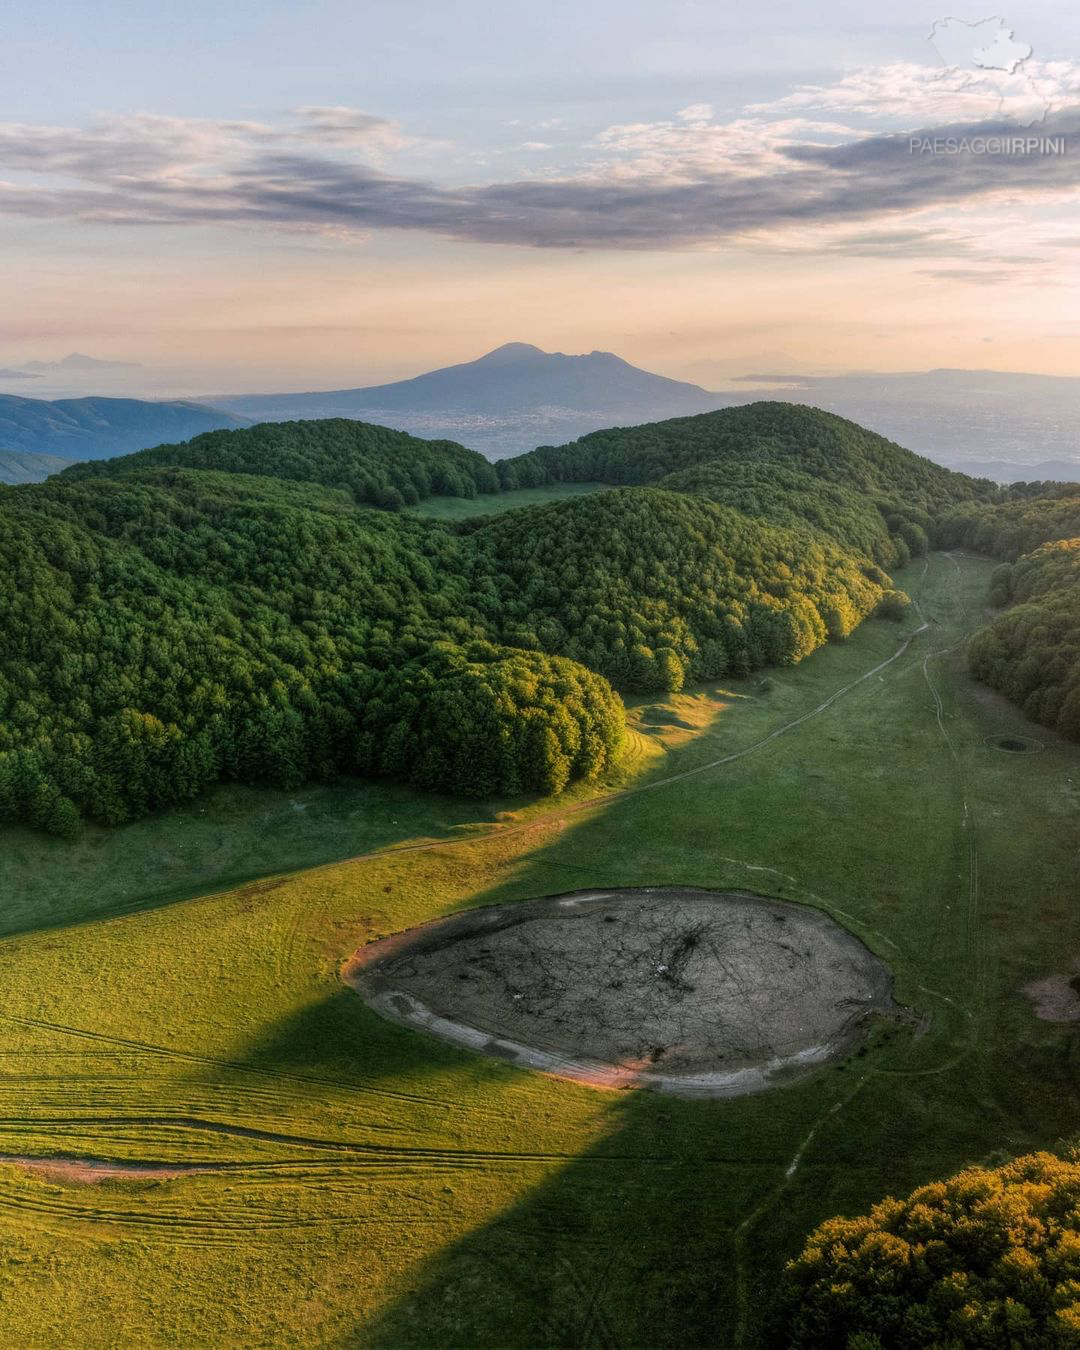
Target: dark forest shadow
{"points": [[624, 1246]]}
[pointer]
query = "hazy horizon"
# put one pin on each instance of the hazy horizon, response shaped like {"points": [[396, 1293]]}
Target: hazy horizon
{"points": [[272, 200]]}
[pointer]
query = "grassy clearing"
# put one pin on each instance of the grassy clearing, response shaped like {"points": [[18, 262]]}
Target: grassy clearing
{"points": [[464, 508], [383, 1189]]}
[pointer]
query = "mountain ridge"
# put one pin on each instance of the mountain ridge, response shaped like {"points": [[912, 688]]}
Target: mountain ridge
{"points": [[101, 428], [17, 466]]}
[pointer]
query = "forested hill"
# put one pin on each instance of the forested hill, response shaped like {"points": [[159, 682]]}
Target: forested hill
{"points": [[1031, 651], [1014, 520], [797, 437], [791, 497], [780, 462], [377, 466], [163, 627]]}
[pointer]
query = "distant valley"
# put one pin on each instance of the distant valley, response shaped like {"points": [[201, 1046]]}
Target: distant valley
{"points": [[1003, 425]]}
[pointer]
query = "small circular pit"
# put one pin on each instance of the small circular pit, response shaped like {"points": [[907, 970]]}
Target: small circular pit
{"points": [[1015, 745], [700, 993]]}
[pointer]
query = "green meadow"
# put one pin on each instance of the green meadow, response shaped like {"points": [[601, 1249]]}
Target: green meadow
{"points": [[310, 1175], [490, 504]]}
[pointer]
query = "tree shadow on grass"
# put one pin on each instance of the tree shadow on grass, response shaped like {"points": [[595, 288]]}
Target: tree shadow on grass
{"points": [[630, 1243]]}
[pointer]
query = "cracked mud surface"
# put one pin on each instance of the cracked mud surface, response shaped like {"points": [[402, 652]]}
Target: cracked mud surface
{"points": [[691, 991]]}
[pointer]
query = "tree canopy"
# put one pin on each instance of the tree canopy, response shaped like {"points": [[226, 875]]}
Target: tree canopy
{"points": [[988, 1258], [788, 434], [1013, 521], [167, 626], [375, 465], [1031, 652]]}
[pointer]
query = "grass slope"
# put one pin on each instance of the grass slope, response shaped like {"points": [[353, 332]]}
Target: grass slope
{"points": [[382, 1189], [465, 508]]}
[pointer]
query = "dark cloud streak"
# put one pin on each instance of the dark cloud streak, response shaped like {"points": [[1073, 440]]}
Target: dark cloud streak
{"points": [[264, 185]]}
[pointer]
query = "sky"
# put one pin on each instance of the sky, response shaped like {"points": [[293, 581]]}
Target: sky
{"points": [[233, 197]]}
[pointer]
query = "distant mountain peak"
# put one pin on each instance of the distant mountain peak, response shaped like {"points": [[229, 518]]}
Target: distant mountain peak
{"points": [[515, 396], [508, 352], [80, 361]]}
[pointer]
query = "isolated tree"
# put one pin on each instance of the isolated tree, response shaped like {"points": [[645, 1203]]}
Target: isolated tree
{"points": [[894, 605]]}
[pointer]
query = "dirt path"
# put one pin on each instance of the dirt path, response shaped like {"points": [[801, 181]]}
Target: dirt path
{"points": [[92, 1171]]}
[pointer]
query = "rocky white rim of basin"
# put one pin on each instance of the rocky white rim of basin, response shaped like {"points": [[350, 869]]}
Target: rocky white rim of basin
{"points": [[694, 992]]}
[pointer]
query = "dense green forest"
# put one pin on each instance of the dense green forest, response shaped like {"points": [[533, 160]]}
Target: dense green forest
{"points": [[375, 465], [168, 630], [167, 624], [792, 497], [1013, 521], [818, 443], [484, 719], [654, 588], [1031, 652], [233, 608]]}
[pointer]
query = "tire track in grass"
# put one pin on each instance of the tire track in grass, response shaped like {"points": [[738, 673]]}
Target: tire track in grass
{"points": [[58, 1213], [197, 1231], [377, 1154], [968, 824], [236, 1066], [742, 1231]]}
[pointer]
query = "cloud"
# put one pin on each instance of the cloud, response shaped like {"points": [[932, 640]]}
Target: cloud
{"points": [[683, 183], [907, 91], [976, 276], [349, 127], [696, 112], [876, 241]]}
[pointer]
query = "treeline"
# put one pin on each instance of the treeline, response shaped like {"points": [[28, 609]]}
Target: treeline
{"points": [[783, 462], [1031, 653], [482, 719], [163, 629], [221, 609], [1013, 521], [160, 634], [375, 465]]}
